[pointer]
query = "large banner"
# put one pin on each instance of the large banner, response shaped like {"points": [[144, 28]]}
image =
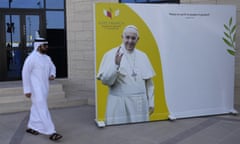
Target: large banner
{"points": [[162, 61]]}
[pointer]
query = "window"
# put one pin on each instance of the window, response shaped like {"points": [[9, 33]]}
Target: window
{"points": [[55, 4], [55, 19]]}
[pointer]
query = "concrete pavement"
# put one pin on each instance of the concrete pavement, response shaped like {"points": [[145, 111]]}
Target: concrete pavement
{"points": [[77, 126]]}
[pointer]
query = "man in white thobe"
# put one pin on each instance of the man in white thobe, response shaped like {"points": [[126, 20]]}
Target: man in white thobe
{"points": [[127, 72], [37, 70]]}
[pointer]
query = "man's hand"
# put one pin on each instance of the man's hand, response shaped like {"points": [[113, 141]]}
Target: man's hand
{"points": [[118, 57], [28, 95], [51, 77], [151, 110]]}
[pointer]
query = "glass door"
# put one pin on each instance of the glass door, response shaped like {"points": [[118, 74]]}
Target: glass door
{"points": [[13, 46], [17, 42]]}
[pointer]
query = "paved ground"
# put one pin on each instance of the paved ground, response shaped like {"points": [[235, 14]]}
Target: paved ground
{"points": [[77, 126]]}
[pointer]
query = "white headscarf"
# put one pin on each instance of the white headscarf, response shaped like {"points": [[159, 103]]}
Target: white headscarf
{"points": [[38, 41]]}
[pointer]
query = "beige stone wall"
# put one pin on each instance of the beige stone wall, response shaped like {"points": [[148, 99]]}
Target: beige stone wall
{"points": [[80, 43]]}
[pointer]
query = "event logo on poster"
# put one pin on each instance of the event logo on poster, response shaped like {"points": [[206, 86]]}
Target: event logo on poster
{"points": [[110, 21], [110, 13]]}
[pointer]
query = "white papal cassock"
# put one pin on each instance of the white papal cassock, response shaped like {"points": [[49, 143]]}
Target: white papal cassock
{"points": [[130, 86], [35, 75]]}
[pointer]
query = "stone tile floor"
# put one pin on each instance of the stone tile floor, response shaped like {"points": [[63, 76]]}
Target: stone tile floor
{"points": [[77, 125]]}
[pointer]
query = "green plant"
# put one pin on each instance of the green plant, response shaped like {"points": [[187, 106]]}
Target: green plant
{"points": [[230, 36]]}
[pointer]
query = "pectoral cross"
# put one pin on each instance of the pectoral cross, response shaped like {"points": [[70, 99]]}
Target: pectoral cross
{"points": [[134, 75]]}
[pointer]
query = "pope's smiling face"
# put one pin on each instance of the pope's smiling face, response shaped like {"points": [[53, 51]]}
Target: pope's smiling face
{"points": [[130, 40]]}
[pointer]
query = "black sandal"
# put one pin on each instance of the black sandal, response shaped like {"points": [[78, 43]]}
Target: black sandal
{"points": [[55, 137], [31, 131]]}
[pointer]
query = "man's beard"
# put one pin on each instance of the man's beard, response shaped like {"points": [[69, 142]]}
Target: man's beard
{"points": [[43, 51]]}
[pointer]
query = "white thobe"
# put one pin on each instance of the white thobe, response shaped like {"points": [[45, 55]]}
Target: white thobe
{"points": [[129, 96], [36, 71]]}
